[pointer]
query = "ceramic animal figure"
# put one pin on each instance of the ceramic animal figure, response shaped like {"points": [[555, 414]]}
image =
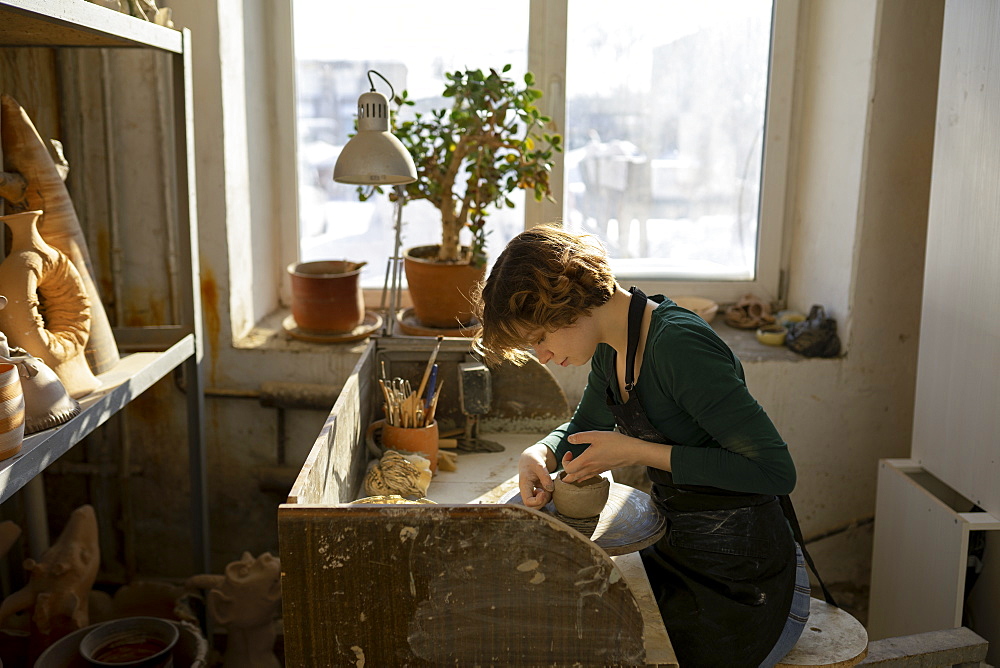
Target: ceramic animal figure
{"points": [[48, 311], [24, 152], [246, 601], [59, 584]]}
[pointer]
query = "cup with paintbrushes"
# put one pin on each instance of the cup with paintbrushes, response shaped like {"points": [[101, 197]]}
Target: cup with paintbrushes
{"points": [[409, 424]]}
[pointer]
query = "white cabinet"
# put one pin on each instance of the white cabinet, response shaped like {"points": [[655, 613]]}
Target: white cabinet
{"points": [[148, 353]]}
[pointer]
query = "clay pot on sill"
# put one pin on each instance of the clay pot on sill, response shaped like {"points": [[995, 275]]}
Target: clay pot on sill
{"points": [[326, 295], [441, 292]]}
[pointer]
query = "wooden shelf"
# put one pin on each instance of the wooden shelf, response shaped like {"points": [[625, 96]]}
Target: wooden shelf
{"points": [[79, 23], [148, 353], [131, 377]]}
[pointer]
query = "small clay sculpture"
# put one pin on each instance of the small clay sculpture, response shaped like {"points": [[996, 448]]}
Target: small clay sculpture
{"points": [[750, 312], [59, 584], [246, 601]]}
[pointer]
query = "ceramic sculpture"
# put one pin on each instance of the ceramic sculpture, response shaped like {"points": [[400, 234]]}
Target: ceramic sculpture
{"points": [[24, 152], [48, 312], [60, 583], [246, 601], [47, 404]]}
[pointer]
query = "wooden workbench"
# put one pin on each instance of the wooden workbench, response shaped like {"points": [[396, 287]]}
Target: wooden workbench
{"points": [[460, 582], [485, 477]]}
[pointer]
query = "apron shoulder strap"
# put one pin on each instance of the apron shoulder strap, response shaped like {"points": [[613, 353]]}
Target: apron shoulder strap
{"points": [[636, 307]]}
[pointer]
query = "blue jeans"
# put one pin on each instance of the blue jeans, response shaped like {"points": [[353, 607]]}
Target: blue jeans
{"points": [[797, 616]]}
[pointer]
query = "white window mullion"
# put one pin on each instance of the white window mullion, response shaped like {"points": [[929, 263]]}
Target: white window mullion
{"points": [[547, 61]]}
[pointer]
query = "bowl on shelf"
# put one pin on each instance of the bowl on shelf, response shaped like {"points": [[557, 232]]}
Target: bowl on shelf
{"points": [[702, 306]]}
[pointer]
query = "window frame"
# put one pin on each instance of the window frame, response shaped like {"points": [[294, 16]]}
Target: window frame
{"points": [[547, 60]]}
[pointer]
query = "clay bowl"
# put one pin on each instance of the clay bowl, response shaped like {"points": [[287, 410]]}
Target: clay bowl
{"points": [[706, 308], [580, 499]]}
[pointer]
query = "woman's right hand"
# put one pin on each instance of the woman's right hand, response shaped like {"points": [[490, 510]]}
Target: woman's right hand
{"points": [[533, 475]]}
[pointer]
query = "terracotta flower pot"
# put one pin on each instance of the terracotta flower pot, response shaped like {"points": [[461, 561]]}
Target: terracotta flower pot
{"points": [[326, 295], [422, 440], [441, 292]]}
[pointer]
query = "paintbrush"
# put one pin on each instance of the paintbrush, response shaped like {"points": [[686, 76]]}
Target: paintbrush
{"points": [[430, 365]]}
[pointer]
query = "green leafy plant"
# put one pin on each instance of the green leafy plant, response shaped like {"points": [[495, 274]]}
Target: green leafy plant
{"points": [[472, 155]]}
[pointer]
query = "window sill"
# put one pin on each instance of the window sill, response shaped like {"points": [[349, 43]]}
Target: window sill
{"points": [[744, 343], [269, 334]]}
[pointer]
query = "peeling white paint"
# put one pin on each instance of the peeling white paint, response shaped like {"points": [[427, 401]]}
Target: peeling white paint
{"points": [[407, 533], [360, 653]]}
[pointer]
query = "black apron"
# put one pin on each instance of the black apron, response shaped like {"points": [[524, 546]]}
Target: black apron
{"points": [[724, 573]]}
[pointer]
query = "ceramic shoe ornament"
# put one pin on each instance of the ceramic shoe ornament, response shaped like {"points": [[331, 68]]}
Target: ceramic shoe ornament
{"points": [[47, 404]]}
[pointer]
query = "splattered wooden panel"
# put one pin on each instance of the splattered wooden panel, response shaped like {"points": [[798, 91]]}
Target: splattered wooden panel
{"points": [[424, 585]]}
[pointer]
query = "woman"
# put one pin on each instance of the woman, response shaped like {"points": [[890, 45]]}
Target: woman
{"points": [[664, 392]]}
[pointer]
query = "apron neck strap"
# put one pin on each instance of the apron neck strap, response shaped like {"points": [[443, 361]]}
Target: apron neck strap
{"points": [[636, 308]]}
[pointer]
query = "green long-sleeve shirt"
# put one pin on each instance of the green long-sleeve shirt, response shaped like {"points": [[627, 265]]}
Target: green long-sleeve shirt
{"points": [[693, 391]]}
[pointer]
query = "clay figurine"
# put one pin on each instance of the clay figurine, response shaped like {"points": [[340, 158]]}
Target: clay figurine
{"points": [[246, 601], [59, 584]]}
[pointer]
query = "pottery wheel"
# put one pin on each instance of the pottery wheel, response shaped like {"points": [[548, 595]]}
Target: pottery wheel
{"points": [[628, 523]]}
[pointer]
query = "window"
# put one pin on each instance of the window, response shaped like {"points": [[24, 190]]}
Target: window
{"points": [[665, 103]]}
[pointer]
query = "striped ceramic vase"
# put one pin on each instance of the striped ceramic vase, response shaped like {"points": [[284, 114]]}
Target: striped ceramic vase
{"points": [[11, 411]]}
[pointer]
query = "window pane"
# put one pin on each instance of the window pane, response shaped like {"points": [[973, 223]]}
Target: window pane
{"points": [[665, 105], [412, 44]]}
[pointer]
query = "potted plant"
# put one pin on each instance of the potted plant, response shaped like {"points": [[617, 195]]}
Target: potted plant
{"points": [[470, 157]]}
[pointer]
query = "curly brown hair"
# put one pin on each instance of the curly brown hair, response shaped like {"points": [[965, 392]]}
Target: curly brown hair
{"points": [[545, 279]]}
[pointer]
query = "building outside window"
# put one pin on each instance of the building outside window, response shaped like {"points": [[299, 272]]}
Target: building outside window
{"points": [[666, 108]]}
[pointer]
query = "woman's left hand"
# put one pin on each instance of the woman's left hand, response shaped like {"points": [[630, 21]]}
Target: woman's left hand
{"points": [[609, 450]]}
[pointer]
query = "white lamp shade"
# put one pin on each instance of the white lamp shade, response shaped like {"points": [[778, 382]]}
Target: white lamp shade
{"points": [[374, 156]]}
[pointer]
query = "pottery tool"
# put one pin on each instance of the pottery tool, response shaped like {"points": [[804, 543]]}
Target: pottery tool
{"points": [[475, 394], [413, 407]]}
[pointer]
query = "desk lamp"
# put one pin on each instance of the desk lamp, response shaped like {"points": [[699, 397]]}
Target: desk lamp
{"points": [[375, 157]]}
